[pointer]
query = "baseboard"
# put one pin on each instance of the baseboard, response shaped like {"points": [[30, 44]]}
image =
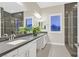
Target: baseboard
{"points": [[56, 43]]}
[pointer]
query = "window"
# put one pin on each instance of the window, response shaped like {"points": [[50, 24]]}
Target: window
{"points": [[29, 23], [17, 24], [55, 23]]}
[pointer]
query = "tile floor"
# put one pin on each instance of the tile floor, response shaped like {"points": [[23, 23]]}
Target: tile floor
{"points": [[53, 51]]}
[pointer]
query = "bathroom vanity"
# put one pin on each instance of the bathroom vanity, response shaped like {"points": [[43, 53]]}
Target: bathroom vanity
{"points": [[25, 46]]}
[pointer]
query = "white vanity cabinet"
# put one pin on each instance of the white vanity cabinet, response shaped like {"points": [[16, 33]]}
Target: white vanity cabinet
{"points": [[27, 50], [41, 42]]}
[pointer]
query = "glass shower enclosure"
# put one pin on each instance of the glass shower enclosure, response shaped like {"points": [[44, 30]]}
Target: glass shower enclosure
{"points": [[71, 27]]}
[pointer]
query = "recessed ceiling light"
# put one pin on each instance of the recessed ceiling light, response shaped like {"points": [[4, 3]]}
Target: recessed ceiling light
{"points": [[20, 3], [36, 14]]}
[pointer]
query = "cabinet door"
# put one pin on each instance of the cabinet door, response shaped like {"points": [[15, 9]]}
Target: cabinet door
{"points": [[46, 39], [39, 43], [32, 49], [23, 51], [28, 50]]}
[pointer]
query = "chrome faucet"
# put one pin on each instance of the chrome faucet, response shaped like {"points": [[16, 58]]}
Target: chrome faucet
{"points": [[12, 36]]}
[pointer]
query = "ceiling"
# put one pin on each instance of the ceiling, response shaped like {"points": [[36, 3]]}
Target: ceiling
{"points": [[48, 4], [13, 7]]}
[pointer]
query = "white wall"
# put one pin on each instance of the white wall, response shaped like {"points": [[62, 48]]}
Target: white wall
{"points": [[55, 37]]}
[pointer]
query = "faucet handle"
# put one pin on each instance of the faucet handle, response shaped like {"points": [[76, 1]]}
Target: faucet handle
{"points": [[14, 35], [5, 35]]}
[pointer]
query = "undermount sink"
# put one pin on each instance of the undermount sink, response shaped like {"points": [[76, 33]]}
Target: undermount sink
{"points": [[16, 42]]}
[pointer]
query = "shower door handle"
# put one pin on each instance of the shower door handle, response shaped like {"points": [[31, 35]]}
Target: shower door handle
{"points": [[76, 44]]}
